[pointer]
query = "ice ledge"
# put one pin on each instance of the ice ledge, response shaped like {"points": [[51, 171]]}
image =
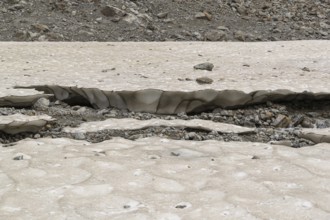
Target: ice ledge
{"points": [[134, 124], [172, 102], [18, 123]]}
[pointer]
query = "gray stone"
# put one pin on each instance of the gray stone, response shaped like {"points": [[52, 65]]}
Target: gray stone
{"points": [[110, 11], [215, 35], [239, 35], [306, 69], [162, 15], [79, 136], [204, 80], [41, 104], [204, 66], [16, 7], [19, 157], [282, 121], [41, 27]]}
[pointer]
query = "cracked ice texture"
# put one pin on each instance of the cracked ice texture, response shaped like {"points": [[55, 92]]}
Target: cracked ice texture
{"points": [[157, 178]]}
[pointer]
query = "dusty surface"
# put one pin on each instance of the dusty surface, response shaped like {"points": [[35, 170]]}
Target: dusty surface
{"points": [[157, 178], [297, 66], [159, 20]]}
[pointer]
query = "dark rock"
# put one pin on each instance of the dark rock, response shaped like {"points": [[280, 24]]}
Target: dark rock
{"points": [[204, 80], [204, 66], [110, 11], [19, 157], [41, 27], [16, 7], [305, 69]]}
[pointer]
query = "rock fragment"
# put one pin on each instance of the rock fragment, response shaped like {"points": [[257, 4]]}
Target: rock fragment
{"points": [[282, 121], [215, 35], [239, 35], [162, 15], [110, 11], [41, 104], [41, 27], [204, 80], [16, 7], [306, 69], [203, 15], [204, 66]]}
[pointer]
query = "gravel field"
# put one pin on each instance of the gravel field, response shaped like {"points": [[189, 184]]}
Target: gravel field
{"points": [[159, 20]]}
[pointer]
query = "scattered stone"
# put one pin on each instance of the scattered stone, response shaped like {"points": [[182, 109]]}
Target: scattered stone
{"points": [[239, 35], [222, 28], [282, 121], [162, 15], [41, 104], [41, 27], [180, 206], [200, 15], [79, 136], [110, 11], [215, 35], [255, 157], [305, 69], [19, 157], [307, 123], [16, 7], [203, 15], [82, 110], [204, 66], [208, 16], [204, 80], [175, 154]]}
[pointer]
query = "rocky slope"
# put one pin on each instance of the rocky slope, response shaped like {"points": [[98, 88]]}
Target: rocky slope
{"points": [[159, 20]]}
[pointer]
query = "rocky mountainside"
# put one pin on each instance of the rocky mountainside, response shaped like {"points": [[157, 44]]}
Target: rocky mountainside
{"points": [[160, 20]]}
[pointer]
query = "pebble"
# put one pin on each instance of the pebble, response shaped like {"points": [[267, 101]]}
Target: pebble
{"points": [[215, 35], [306, 69], [79, 136], [282, 121], [162, 15], [239, 35], [204, 80], [204, 66], [19, 157], [111, 11], [41, 104]]}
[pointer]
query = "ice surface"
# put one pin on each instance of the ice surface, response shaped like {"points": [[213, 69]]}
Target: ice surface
{"points": [[144, 179]]}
